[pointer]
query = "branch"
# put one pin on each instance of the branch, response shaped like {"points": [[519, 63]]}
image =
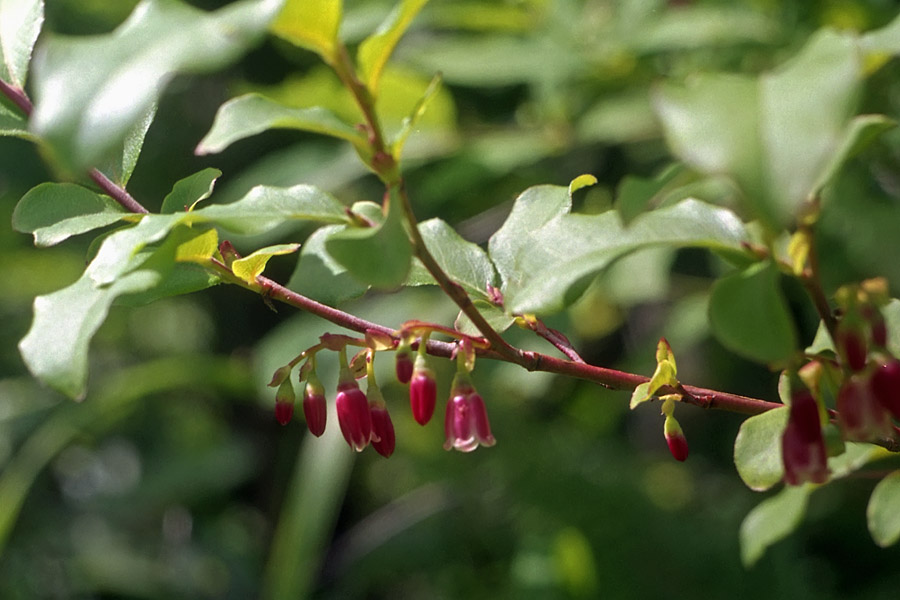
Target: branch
{"points": [[18, 96]]}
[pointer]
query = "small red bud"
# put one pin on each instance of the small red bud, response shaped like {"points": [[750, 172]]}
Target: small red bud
{"points": [[284, 411], [404, 366], [852, 345], [886, 386], [675, 439], [422, 392], [315, 408], [353, 415], [861, 416], [383, 430], [802, 444], [284, 402]]}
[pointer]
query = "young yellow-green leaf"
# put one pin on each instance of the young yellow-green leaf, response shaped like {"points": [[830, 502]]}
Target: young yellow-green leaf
{"points": [[199, 248], [466, 263], [252, 114], [772, 520], [55, 349], [250, 267], [86, 114], [749, 315], [640, 395], [882, 513], [187, 192], [311, 24], [377, 48], [409, 123], [547, 257], [53, 212], [378, 256], [20, 24], [582, 181], [757, 449]]}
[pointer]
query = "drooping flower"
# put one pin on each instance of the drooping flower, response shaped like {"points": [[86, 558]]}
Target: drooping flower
{"points": [[861, 416], [284, 401], [675, 439], [802, 444], [383, 438], [466, 423], [315, 408], [422, 391], [353, 415], [886, 385], [403, 363]]}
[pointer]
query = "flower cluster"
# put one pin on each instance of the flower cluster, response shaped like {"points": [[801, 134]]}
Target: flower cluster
{"points": [[865, 383], [363, 417]]}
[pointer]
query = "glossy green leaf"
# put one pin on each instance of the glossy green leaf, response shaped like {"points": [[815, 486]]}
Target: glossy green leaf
{"points": [[85, 114], [20, 24], [493, 314], [122, 162], [750, 317], [773, 134], [319, 276], [311, 24], [252, 114], [378, 256], [250, 267], [466, 263], [772, 520], [189, 191], [53, 212], [55, 349], [409, 123], [882, 513], [757, 449], [546, 257], [377, 48]]}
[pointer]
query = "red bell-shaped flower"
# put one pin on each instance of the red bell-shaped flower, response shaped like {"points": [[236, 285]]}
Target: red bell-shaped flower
{"points": [[353, 415], [802, 444]]}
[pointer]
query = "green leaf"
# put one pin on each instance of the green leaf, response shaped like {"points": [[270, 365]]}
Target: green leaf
{"points": [[378, 256], [319, 276], [546, 257], [85, 114], [862, 131], [250, 267], [776, 135], [882, 514], [14, 124], [771, 521], [409, 123], [640, 395], [311, 24], [891, 312], [252, 114], [187, 192], [466, 263], [750, 317], [757, 449], [493, 314], [377, 48], [20, 24], [55, 349], [636, 194], [55, 211], [120, 170]]}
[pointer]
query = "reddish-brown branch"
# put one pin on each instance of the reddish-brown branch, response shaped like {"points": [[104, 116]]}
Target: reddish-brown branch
{"points": [[18, 97]]}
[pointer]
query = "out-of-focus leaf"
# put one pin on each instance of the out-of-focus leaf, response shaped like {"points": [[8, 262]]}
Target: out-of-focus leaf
{"points": [[20, 24], [493, 314], [702, 27], [882, 41], [86, 113], [53, 212], [122, 165], [311, 24], [776, 135], [251, 114], [465, 262], [882, 514], [635, 194], [250, 267], [187, 192], [546, 257], [772, 520], [14, 124], [749, 315], [319, 276], [757, 449], [409, 123], [377, 48], [617, 119], [55, 349], [378, 256], [862, 130]]}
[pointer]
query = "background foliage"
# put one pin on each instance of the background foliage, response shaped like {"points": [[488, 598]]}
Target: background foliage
{"points": [[173, 478]]}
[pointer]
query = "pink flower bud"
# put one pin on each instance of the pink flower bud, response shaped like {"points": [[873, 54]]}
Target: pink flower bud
{"points": [[675, 439], [852, 345], [284, 402], [802, 444], [861, 416], [886, 386], [404, 366], [353, 415], [422, 393], [315, 408], [466, 423], [383, 438]]}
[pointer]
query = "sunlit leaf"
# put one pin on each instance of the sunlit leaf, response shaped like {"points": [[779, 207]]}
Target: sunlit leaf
{"points": [[20, 24], [250, 267], [319, 276], [14, 124], [882, 514], [495, 316], [252, 114], [757, 449], [377, 48], [55, 211], [189, 191], [772, 520], [409, 123], [86, 113], [311, 24], [750, 316], [466, 263]]}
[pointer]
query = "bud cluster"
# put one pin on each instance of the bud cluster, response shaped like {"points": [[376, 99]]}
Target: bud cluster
{"points": [[363, 417]]}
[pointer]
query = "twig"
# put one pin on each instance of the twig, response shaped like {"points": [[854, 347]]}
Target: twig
{"points": [[18, 96]]}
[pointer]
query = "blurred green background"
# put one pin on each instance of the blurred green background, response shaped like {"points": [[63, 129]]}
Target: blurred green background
{"points": [[173, 479]]}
